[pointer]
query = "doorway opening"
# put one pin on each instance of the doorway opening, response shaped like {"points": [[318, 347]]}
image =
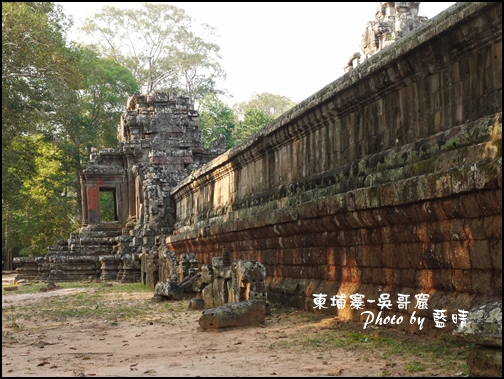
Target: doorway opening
{"points": [[108, 206]]}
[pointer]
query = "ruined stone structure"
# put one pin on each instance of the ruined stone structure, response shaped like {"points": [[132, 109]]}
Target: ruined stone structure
{"points": [[387, 181], [159, 145], [393, 20], [218, 283]]}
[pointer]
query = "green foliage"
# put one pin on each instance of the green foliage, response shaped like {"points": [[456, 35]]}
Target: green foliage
{"points": [[240, 121], [34, 63], [254, 119], [216, 118], [58, 100], [107, 207], [270, 104], [49, 210], [258, 112], [157, 44]]}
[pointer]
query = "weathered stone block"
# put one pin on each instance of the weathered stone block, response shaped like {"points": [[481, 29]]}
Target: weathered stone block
{"points": [[480, 254], [482, 280], [207, 295], [197, 303], [496, 253], [461, 280], [493, 227], [220, 293], [207, 274], [172, 291], [198, 285], [240, 314], [459, 253], [483, 326], [222, 272], [216, 261]]}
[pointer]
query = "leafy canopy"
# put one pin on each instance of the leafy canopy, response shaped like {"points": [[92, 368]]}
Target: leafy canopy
{"points": [[160, 47], [58, 100]]}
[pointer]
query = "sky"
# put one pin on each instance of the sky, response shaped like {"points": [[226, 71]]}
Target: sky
{"points": [[288, 49]]}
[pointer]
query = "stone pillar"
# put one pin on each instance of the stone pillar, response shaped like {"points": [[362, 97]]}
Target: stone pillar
{"points": [[130, 269], [132, 215], [109, 267]]}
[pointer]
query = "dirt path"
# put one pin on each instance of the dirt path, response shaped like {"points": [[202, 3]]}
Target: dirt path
{"points": [[168, 342]]}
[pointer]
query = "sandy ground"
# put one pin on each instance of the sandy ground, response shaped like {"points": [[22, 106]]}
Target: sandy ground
{"points": [[169, 346]]}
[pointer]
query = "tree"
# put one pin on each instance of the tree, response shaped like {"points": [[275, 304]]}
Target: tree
{"points": [[258, 112], [158, 46], [49, 212], [57, 102], [253, 120], [35, 62], [91, 113], [272, 105], [216, 118]]}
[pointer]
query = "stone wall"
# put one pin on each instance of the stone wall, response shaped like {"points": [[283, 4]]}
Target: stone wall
{"points": [[388, 180]]}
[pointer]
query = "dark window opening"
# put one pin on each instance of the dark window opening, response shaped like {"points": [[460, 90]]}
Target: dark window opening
{"points": [[108, 206]]}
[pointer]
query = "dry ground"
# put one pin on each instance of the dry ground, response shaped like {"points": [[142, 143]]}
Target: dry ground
{"points": [[89, 329]]}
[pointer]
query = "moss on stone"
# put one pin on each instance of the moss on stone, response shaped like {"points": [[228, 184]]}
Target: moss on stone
{"points": [[423, 167], [498, 145]]}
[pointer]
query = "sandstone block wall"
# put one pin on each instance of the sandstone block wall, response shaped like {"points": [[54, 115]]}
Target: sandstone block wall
{"points": [[387, 180]]}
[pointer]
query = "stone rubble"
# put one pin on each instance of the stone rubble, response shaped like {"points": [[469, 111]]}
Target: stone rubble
{"points": [[244, 313], [216, 284]]}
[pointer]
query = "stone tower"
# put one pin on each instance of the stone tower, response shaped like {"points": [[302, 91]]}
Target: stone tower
{"points": [[393, 20], [159, 145]]}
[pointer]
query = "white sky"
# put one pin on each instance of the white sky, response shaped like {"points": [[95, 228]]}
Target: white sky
{"points": [[289, 49]]}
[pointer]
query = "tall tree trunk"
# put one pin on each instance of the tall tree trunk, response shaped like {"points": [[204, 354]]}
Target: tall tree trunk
{"points": [[79, 196], [8, 243]]}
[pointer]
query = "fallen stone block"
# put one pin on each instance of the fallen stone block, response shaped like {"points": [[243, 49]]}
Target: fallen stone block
{"points": [[483, 326], [230, 315], [10, 288], [169, 290], [197, 303]]}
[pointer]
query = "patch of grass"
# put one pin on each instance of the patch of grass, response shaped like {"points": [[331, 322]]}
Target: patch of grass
{"points": [[420, 354], [33, 288], [414, 366], [105, 303], [12, 318]]}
